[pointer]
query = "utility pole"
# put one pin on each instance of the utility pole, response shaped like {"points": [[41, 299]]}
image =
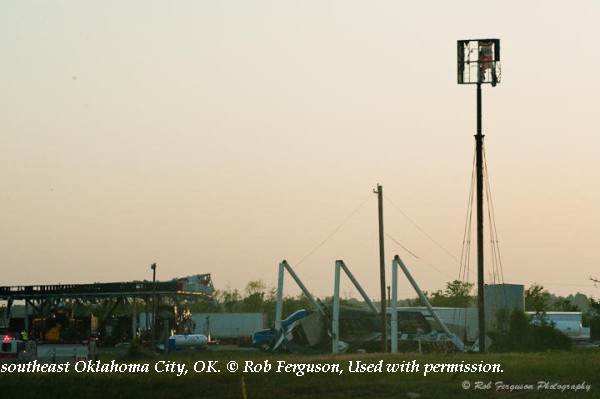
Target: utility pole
{"points": [[153, 332], [379, 193]]}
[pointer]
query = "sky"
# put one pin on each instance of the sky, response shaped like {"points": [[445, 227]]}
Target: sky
{"points": [[223, 137]]}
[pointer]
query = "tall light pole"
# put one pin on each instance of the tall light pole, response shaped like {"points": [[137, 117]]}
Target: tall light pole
{"points": [[479, 63], [153, 267]]}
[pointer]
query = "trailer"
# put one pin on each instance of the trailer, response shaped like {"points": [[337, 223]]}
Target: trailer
{"points": [[235, 328], [569, 323]]}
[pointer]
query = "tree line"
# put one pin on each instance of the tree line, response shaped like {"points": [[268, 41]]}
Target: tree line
{"points": [[257, 297]]}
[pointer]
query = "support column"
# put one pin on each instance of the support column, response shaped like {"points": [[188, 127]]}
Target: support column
{"points": [[279, 306], [394, 321], [480, 269], [335, 327]]}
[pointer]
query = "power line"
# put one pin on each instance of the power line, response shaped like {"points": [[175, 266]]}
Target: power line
{"points": [[402, 246], [423, 231], [417, 257], [334, 231]]}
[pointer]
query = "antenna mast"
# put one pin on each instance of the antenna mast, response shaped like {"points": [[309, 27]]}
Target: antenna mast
{"points": [[479, 63]]}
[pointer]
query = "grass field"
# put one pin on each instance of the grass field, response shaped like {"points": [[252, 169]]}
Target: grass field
{"points": [[547, 373]]}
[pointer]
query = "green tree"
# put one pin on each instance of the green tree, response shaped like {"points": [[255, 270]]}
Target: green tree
{"points": [[254, 301], [459, 293], [564, 305], [592, 318], [536, 299], [456, 295], [522, 336], [255, 287], [229, 300]]}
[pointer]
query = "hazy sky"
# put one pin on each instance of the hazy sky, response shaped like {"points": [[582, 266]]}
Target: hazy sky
{"points": [[224, 136]]}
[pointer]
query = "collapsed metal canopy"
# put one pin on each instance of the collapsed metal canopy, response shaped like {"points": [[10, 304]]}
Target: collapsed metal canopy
{"points": [[196, 286]]}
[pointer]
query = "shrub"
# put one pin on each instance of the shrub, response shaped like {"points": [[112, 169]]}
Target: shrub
{"points": [[135, 348], [595, 327], [522, 336]]}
